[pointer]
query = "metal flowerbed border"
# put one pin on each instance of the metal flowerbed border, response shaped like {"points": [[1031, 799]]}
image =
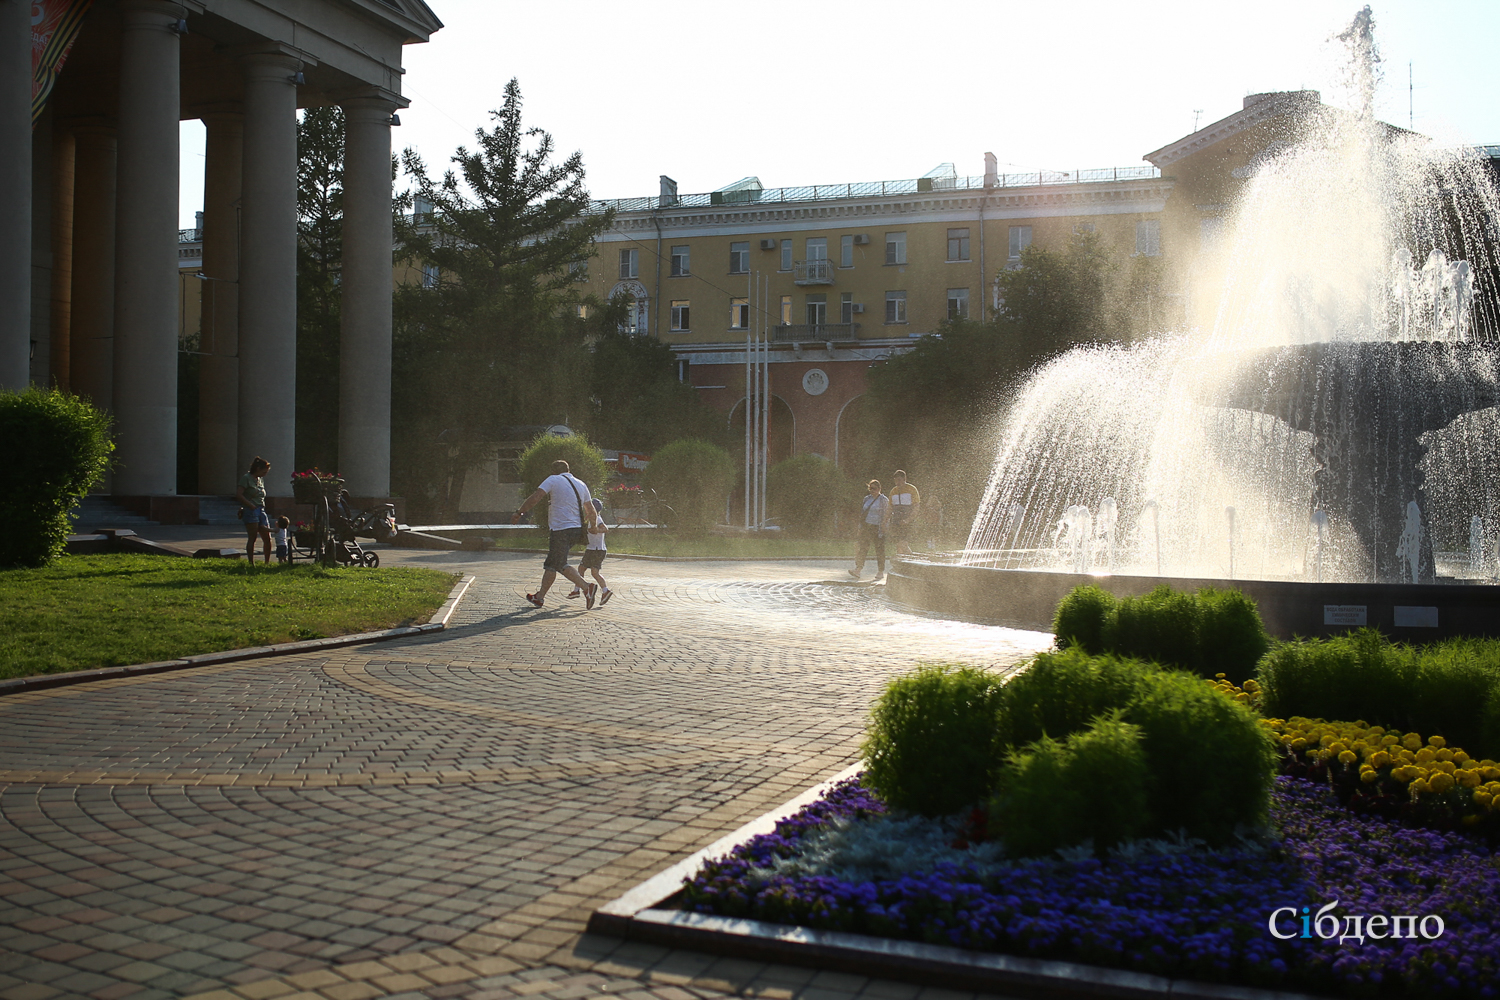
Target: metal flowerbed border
{"points": [[640, 915]]}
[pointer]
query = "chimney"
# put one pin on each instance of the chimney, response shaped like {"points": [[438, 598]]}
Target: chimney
{"points": [[668, 192], [198, 221], [991, 170]]}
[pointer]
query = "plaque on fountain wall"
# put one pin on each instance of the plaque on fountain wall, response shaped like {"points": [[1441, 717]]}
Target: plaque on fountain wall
{"points": [[1344, 614], [1416, 617]]}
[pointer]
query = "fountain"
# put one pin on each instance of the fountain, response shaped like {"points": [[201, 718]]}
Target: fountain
{"points": [[1319, 431]]}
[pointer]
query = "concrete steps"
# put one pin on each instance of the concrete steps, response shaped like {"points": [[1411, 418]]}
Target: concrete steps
{"points": [[99, 512], [218, 510]]}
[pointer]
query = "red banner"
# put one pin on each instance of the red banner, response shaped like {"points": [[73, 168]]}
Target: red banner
{"points": [[54, 27]]}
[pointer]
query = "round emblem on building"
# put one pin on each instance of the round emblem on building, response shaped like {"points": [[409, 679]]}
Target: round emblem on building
{"points": [[815, 382]]}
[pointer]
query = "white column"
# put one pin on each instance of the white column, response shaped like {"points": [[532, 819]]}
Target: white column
{"points": [[15, 184], [219, 372], [365, 312], [146, 280], [268, 268], [91, 342]]}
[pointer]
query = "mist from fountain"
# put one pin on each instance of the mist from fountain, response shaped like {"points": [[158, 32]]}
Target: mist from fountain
{"points": [[1330, 387]]}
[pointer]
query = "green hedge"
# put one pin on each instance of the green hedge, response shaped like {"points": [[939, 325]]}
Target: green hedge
{"points": [[805, 491], [1210, 632], [693, 477], [1449, 689], [57, 446]]}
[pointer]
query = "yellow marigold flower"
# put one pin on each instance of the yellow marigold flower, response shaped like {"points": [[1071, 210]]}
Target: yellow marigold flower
{"points": [[1369, 777], [1418, 787], [1412, 742], [1251, 685], [1446, 766], [1347, 757], [1242, 698], [1338, 746], [1389, 740], [1299, 743], [1441, 782], [1326, 739], [1445, 754], [1408, 756], [1404, 774], [1467, 779], [1377, 730], [1379, 758], [1437, 741], [1426, 754], [1483, 799], [1468, 764], [1461, 757]]}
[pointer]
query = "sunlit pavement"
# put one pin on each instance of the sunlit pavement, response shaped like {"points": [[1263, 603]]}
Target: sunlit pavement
{"points": [[436, 817]]}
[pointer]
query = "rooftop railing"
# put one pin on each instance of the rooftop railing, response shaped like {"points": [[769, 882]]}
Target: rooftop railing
{"points": [[877, 189]]}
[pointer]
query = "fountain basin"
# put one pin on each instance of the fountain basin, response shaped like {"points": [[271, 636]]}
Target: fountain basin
{"points": [[1021, 598]]}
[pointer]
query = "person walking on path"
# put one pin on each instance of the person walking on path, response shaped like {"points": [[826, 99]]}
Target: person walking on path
{"points": [[905, 499], [251, 493], [568, 511], [877, 511], [593, 556]]}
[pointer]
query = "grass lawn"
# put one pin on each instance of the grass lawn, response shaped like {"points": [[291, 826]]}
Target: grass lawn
{"points": [[110, 610], [659, 543]]}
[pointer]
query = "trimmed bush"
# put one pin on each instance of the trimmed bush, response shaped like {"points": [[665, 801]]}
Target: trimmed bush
{"points": [[1081, 618], [1450, 689], [58, 446], [805, 492], [1210, 632], [585, 461], [1211, 761], [929, 747], [693, 477], [1062, 693], [1092, 786]]}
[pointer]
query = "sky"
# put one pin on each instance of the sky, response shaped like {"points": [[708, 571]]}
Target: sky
{"points": [[830, 91]]}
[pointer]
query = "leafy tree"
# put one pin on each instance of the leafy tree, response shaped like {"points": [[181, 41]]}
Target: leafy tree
{"points": [[693, 477], [320, 255], [492, 344], [805, 491], [637, 400], [1061, 298], [57, 446], [585, 462]]}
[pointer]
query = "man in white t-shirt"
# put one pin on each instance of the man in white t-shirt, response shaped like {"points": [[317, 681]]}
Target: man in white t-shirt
{"points": [[568, 513]]}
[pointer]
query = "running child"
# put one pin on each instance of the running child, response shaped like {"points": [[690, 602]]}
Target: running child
{"points": [[593, 556]]}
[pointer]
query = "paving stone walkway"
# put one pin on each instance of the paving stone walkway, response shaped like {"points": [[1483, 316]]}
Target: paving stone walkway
{"points": [[436, 817]]}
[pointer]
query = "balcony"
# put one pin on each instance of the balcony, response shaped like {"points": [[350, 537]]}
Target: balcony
{"points": [[812, 272], [811, 333]]}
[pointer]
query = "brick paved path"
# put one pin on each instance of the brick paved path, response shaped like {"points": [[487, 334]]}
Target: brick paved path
{"points": [[437, 817]]}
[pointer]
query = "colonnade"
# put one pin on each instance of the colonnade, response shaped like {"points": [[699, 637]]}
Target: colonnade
{"points": [[122, 338]]}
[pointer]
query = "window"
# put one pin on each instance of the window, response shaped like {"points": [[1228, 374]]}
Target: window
{"points": [[637, 316], [583, 312], [430, 275], [680, 262], [630, 263], [739, 258], [958, 303], [786, 255], [958, 244], [895, 248], [846, 307], [680, 315], [786, 308], [682, 369], [1020, 239], [895, 307], [579, 270], [1148, 238], [817, 248], [739, 314], [817, 310], [846, 251]]}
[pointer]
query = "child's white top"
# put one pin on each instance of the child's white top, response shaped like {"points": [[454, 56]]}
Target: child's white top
{"points": [[280, 536], [596, 541]]}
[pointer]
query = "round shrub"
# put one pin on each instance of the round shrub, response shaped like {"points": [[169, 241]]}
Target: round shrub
{"points": [[1061, 693], [693, 477], [585, 462], [1161, 626], [58, 445], [1231, 636], [1211, 761], [1082, 617], [805, 492], [1091, 786], [929, 746]]}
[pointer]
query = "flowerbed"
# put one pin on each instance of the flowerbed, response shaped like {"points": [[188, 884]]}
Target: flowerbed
{"points": [[1181, 911]]}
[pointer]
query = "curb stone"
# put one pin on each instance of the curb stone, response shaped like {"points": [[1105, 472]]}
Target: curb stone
{"points": [[437, 623], [640, 915]]}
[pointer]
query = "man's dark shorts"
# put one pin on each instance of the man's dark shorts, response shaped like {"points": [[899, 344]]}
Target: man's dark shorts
{"points": [[558, 544]]}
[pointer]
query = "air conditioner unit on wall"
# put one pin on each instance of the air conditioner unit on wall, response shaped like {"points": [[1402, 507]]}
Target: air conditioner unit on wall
{"points": [[856, 308], [861, 239], [768, 244]]}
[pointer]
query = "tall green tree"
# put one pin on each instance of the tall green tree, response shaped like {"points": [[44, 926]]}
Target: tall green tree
{"points": [[320, 255], [488, 337], [637, 402]]}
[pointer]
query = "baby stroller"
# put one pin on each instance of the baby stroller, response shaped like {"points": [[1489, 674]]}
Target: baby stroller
{"points": [[349, 526]]}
